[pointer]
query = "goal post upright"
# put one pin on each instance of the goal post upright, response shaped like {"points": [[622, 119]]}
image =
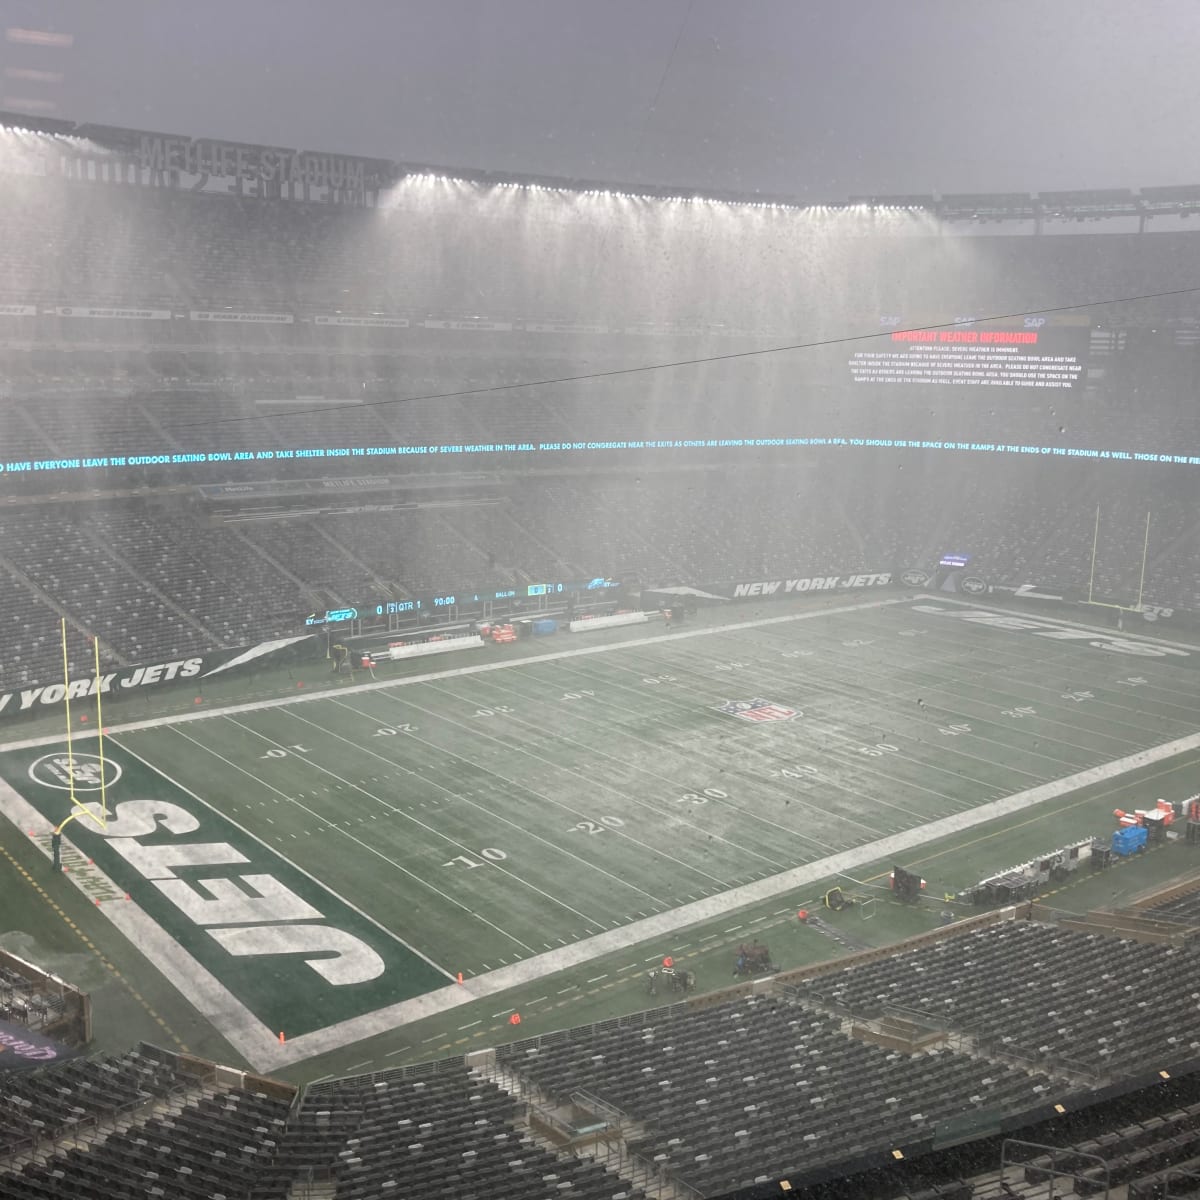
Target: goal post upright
{"points": [[78, 808], [100, 739], [1136, 606], [1095, 543], [1145, 550], [67, 707]]}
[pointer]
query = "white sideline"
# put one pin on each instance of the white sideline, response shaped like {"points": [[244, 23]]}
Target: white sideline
{"points": [[587, 949], [326, 693], [243, 1030], [258, 1044]]}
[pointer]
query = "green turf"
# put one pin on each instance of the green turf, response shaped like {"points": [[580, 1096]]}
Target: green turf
{"points": [[488, 818]]}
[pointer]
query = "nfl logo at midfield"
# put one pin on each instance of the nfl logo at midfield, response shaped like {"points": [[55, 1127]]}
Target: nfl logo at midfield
{"points": [[756, 710]]}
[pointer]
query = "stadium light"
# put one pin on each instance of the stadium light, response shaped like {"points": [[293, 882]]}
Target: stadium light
{"points": [[926, 203]]}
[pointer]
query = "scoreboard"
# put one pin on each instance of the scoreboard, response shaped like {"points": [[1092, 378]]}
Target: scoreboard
{"points": [[452, 600]]}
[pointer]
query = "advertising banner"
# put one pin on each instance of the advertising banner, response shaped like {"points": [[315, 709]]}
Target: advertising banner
{"points": [[117, 683], [23, 1050], [478, 326], [766, 588], [245, 318], [110, 314], [375, 322]]}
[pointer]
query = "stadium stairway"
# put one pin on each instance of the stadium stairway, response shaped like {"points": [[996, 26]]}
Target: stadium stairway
{"points": [[210, 637], [312, 1189], [456, 1130], [567, 569], [305, 590], [48, 601], [338, 548]]}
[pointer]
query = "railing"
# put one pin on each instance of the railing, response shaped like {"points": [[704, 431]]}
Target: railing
{"points": [[964, 1038], [610, 1112], [515, 1051], [1179, 1183], [643, 1172], [1062, 1169], [1132, 924], [45, 1143], [331, 1084]]}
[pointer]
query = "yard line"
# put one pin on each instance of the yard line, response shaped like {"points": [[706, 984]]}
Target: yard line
{"points": [[1133, 666], [734, 928], [594, 782], [691, 707], [409, 817], [848, 745], [392, 1053], [1000, 687], [597, 978], [296, 866], [1056, 653], [664, 923], [591, 782], [331, 825], [832, 683], [470, 1025], [466, 800]]}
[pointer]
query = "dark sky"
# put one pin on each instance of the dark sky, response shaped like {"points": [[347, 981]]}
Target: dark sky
{"points": [[813, 98]]}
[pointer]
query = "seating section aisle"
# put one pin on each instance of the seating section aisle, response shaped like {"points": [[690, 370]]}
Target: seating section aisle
{"points": [[757, 1088], [713, 1096], [422, 1136], [1107, 1005], [415, 548], [214, 1146], [65, 553], [29, 635], [1139, 1155], [170, 555], [47, 1103]]}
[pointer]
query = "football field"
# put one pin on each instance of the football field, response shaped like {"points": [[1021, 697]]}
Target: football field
{"points": [[331, 864]]}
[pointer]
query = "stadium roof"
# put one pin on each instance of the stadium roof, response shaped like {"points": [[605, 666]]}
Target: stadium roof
{"points": [[1179, 200]]}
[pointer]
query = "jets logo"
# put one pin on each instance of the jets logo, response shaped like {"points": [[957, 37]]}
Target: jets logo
{"points": [[914, 578], [74, 772], [973, 585]]}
